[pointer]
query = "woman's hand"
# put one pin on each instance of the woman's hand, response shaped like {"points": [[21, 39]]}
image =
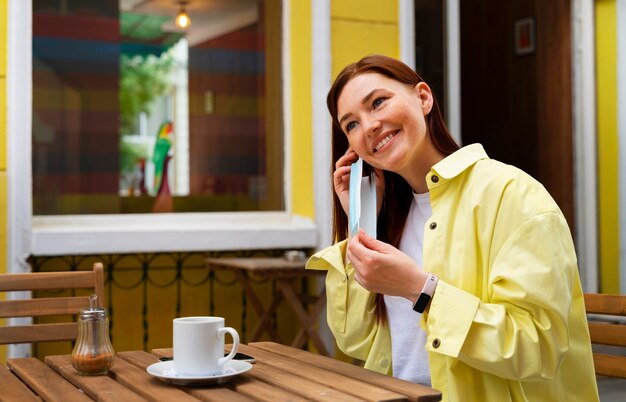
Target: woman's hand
{"points": [[382, 268], [341, 178], [341, 181]]}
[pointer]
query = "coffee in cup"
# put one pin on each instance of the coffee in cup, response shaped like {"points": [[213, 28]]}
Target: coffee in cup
{"points": [[199, 345]]}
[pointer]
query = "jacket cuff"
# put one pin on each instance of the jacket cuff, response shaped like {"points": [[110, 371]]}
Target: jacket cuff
{"points": [[451, 314], [331, 257]]}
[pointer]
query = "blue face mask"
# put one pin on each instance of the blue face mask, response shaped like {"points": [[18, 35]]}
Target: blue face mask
{"points": [[362, 200]]}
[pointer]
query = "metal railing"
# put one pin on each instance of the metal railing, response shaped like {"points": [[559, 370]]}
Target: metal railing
{"points": [[172, 273]]}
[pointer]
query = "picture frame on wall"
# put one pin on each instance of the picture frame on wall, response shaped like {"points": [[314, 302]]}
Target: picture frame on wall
{"points": [[524, 35]]}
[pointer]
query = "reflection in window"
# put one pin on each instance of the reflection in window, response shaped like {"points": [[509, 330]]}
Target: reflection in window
{"points": [[133, 115]]}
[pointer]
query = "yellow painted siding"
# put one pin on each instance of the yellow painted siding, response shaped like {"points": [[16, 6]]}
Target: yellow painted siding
{"points": [[3, 37], [360, 38], [359, 28], [3, 123], [375, 11], [301, 123], [608, 203]]}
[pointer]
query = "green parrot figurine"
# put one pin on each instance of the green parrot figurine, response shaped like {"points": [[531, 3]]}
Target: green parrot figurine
{"points": [[162, 148]]}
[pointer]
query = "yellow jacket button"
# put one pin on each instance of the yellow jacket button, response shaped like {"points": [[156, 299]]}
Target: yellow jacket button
{"points": [[436, 343], [384, 362], [434, 179]]}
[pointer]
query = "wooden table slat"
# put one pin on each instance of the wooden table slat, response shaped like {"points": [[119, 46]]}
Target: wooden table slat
{"points": [[415, 392], [101, 387], [333, 379], [144, 384], [246, 385], [263, 392], [13, 389], [295, 383], [49, 385], [352, 386], [281, 373], [143, 359]]}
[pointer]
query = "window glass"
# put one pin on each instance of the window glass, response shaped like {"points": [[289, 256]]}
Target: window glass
{"points": [[133, 114]]}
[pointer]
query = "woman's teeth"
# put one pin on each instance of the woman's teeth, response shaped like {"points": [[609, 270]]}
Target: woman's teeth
{"points": [[383, 142]]}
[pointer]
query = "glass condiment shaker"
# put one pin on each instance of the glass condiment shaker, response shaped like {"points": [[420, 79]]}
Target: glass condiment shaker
{"points": [[93, 353]]}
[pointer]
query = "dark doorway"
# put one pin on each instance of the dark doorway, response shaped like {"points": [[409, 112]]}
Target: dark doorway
{"points": [[519, 105], [430, 46]]}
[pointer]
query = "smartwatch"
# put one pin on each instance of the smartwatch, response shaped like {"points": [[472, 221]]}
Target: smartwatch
{"points": [[427, 293]]}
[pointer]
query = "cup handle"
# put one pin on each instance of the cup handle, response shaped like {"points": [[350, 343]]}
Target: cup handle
{"points": [[222, 331]]}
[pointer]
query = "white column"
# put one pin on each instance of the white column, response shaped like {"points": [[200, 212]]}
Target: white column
{"points": [[287, 120], [320, 84], [584, 127], [19, 171], [406, 31], [181, 118], [453, 68]]}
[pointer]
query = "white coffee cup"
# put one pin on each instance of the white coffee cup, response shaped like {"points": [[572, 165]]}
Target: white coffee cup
{"points": [[199, 345]]}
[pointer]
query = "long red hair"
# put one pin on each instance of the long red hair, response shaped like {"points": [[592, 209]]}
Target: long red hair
{"points": [[398, 194]]}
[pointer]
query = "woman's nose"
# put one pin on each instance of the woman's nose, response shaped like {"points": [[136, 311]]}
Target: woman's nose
{"points": [[372, 125]]}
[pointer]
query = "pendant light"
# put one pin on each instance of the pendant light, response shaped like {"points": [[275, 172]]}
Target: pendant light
{"points": [[182, 19]]}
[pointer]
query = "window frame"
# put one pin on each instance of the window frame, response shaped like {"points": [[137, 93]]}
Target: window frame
{"points": [[128, 233]]}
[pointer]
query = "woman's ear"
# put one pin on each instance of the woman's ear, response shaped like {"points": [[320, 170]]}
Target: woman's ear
{"points": [[426, 97]]}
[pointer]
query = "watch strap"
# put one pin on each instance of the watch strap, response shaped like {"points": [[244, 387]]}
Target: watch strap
{"points": [[427, 293]]}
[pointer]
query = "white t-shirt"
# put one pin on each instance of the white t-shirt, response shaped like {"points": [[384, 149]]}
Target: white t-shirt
{"points": [[408, 339]]}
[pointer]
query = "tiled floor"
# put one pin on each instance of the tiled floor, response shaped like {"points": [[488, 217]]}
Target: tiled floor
{"points": [[612, 389]]}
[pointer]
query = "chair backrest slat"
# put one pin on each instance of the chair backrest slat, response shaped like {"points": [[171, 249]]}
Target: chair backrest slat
{"points": [[607, 334], [67, 282], [605, 304], [612, 361], [614, 366], [39, 333], [43, 306], [48, 280]]}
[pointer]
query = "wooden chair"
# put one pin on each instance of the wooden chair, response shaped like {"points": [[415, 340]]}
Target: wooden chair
{"points": [[48, 306], [605, 330]]}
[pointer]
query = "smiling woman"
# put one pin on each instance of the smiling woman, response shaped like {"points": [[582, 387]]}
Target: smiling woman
{"points": [[470, 283]]}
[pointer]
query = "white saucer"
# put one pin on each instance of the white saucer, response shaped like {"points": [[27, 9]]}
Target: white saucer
{"points": [[165, 372]]}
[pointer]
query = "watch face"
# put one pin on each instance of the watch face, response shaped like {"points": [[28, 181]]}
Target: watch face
{"points": [[421, 303]]}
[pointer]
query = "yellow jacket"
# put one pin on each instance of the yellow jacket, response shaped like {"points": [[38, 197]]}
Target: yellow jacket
{"points": [[507, 321]]}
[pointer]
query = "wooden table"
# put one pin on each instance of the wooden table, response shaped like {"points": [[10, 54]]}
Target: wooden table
{"points": [[284, 273], [281, 373]]}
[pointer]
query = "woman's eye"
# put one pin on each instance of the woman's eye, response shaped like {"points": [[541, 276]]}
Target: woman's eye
{"points": [[350, 126], [377, 102]]}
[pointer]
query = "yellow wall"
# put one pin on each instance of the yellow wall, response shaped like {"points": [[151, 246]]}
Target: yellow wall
{"points": [[3, 148], [362, 27], [301, 124], [608, 150]]}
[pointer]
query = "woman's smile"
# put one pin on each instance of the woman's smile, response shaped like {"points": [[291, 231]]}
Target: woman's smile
{"points": [[385, 140]]}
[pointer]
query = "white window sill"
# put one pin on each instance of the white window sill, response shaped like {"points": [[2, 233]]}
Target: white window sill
{"points": [[135, 233]]}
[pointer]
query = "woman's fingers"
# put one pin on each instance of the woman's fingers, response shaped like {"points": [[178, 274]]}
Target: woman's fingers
{"points": [[373, 244], [347, 159], [341, 173]]}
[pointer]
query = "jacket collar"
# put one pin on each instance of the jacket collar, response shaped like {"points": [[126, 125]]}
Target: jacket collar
{"points": [[459, 161]]}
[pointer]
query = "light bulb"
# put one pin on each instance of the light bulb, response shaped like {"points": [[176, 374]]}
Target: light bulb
{"points": [[182, 19]]}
